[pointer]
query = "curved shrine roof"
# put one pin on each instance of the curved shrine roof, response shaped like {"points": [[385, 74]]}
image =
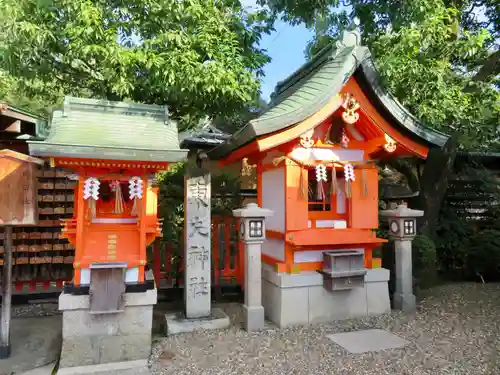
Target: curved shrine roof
{"points": [[312, 86]]}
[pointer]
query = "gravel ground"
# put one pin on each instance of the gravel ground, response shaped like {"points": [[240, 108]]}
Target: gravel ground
{"points": [[456, 331]]}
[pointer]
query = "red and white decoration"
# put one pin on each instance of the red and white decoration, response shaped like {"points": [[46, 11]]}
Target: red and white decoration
{"points": [[135, 192], [91, 188], [349, 177], [322, 178], [91, 193], [349, 172]]}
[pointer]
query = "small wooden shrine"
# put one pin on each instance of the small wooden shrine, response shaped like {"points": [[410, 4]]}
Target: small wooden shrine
{"points": [[113, 150], [18, 207], [315, 150], [18, 195]]}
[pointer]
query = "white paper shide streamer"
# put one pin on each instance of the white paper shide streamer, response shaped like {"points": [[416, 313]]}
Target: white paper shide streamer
{"points": [[91, 193], [321, 178], [349, 177], [135, 192]]}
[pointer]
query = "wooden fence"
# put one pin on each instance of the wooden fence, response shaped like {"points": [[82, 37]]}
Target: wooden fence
{"points": [[167, 256]]}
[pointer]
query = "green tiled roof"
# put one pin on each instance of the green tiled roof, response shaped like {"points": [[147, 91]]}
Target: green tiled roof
{"points": [[312, 86], [90, 128]]}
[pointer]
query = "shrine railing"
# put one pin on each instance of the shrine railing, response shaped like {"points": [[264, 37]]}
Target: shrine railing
{"points": [[167, 260]]}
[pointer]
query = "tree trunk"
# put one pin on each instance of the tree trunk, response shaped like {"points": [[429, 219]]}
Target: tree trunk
{"points": [[434, 184]]}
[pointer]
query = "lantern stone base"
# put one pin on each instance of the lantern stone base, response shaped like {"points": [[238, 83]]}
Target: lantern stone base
{"points": [[290, 299], [116, 343]]}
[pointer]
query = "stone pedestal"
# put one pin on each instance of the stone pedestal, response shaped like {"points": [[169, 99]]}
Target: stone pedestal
{"points": [[253, 309], [253, 233], [403, 298], [117, 343], [301, 298], [402, 230]]}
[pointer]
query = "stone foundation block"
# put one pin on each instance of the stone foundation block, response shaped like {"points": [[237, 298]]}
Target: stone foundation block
{"points": [[99, 339], [176, 323], [291, 299]]}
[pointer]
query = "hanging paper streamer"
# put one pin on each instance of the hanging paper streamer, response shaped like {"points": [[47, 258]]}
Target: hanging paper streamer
{"points": [[335, 187], [321, 178], [119, 203], [364, 183], [91, 193], [135, 192], [349, 179]]}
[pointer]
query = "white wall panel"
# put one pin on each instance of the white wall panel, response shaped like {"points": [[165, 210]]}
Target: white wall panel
{"points": [[274, 248], [273, 198]]}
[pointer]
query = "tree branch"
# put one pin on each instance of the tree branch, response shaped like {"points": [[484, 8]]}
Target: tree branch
{"points": [[406, 169], [490, 68]]}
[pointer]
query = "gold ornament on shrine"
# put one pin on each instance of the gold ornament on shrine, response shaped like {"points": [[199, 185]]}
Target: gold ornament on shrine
{"points": [[246, 169], [350, 105], [390, 144], [306, 140]]}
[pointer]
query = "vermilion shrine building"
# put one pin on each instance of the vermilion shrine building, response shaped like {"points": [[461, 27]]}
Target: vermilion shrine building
{"points": [[315, 151], [113, 150]]}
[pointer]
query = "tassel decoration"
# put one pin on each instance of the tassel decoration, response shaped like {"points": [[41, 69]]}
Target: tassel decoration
{"points": [[119, 202], [91, 193], [349, 179], [135, 193], [92, 207], [364, 183], [334, 181], [302, 186]]}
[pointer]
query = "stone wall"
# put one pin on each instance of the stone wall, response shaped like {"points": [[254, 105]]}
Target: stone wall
{"points": [[92, 339]]}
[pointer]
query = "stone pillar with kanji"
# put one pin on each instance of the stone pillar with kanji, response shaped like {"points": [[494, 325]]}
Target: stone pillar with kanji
{"points": [[402, 230], [198, 312], [197, 250]]}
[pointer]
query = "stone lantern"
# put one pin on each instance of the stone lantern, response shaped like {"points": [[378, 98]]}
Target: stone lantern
{"points": [[403, 229], [253, 234]]}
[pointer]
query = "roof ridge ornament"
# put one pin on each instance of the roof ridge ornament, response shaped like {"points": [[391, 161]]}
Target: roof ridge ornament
{"points": [[349, 38]]}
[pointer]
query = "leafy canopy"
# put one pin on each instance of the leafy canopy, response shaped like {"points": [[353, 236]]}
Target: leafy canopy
{"points": [[200, 57], [439, 57]]}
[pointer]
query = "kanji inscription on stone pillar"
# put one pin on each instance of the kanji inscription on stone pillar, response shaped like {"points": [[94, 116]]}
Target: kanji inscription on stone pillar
{"points": [[197, 241]]}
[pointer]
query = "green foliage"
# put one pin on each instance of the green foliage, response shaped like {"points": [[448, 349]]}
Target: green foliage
{"points": [[424, 261], [483, 255], [438, 58], [477, 188], [200, 57], [452, 232]]}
